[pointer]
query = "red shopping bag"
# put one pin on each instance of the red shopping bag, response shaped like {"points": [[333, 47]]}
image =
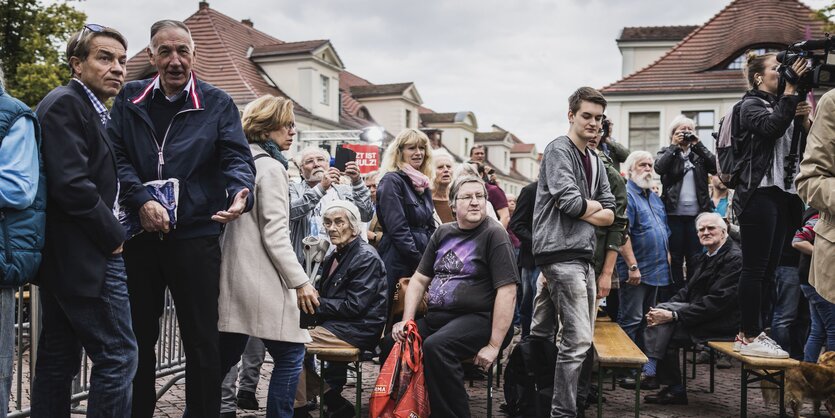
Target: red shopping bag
{"points": [[414, 399], [385, 395]]}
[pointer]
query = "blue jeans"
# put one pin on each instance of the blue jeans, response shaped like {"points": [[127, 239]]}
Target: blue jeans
{"points": [[635, 302], [102, 326], [785, 306], [287, 358], [528, 293], [7, 346], [822, 332]]}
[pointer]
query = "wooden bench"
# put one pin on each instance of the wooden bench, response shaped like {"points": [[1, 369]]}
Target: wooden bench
{"points": [[615, 350], [344, 355], [756, 369]]}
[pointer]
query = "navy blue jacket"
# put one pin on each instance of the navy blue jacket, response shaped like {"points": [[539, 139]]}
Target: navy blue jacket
{"points": [[407, 221], [205, 148], [21, 231], [81, 229], [354, 299]]}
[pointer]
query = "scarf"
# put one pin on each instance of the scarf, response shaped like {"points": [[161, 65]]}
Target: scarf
{"points": [[271, 148], [419, 180]]}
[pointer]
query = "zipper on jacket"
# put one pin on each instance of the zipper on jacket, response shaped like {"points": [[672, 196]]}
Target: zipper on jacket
{"points": [[6, 239], [161, 146]]}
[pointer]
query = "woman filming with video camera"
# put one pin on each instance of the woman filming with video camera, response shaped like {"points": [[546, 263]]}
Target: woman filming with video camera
{"points": [[684, 167], [765, 200]]}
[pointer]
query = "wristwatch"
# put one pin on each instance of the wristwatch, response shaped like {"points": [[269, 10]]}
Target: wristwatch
{"points": [[633, 267]]}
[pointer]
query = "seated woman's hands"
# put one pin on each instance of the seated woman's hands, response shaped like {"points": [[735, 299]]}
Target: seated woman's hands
{"points": [[398, 333], [486, 356], [308, 298]]}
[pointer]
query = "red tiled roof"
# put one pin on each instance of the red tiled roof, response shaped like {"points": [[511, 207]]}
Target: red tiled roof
{"points": [[697, 64], [374, 90], [438, 117], [523, 147], [287, 48], [655, 33], [489, 136], [423, 109]]}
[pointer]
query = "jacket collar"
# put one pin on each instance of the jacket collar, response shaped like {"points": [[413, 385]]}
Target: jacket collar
{"points": [[195, 94], [343, 256]]}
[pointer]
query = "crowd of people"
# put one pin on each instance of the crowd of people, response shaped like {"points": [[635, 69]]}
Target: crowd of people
{"points": [[427, 237]]}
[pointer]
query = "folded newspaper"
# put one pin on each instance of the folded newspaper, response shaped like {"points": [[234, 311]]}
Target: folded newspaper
{"points": [[166, 193]]}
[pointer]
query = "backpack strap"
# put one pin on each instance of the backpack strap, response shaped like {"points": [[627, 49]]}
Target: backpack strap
{"points": [[259, 156]]}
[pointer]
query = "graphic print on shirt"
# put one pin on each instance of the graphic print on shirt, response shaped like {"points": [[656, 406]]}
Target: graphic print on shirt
{"points": [[453, 276]]}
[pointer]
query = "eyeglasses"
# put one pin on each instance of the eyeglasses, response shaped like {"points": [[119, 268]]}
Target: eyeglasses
{"points": [[471, 198], [93, 27]]}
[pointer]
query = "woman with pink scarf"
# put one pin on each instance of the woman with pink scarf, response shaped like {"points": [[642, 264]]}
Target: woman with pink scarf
{"points": [[404, 204]]}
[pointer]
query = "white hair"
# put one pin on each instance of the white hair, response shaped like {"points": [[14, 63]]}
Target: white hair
{"points": [[720, 221], [354, 222], [310, 150], [633, 159], [678, 121]]}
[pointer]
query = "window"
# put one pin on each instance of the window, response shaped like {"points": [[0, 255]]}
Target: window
{"points": [[326, 89], [739, 62], [644, 131], [408, 118], [704, 126]]}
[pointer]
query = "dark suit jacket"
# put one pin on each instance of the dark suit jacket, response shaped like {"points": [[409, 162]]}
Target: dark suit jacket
{"points": [[81, 231], [521, 223]]}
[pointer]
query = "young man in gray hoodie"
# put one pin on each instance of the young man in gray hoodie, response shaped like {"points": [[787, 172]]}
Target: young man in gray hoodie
{"points": [[573, 197]]}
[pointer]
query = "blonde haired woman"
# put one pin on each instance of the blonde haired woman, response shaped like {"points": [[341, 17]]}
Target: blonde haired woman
{"points": [[404, 204], [262, 284]]}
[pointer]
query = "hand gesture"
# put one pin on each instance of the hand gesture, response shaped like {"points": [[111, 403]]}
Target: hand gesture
{"points": [[234, 211], [329, 178], [799, 68], [658, 316], [308, 298], [398, 333], [154, 217], [352, 170], [486, 356], [803, 109], [604, 284]]}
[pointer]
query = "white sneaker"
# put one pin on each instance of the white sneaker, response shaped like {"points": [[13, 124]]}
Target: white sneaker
{"points": [[739, 343], [763, 346]]}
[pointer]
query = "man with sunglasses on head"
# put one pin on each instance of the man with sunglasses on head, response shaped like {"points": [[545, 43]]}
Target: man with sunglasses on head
{"points": [[174, 126], [84, 293]]}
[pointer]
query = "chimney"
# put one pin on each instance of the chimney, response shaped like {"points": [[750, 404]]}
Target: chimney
{"points": [[203, 5], [247, 22]]}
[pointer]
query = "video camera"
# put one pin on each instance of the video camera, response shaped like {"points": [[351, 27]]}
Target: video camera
{"points": [[820, 74]]}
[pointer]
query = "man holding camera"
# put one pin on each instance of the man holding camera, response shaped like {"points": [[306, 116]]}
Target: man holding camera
{"points": [[319, 186]]}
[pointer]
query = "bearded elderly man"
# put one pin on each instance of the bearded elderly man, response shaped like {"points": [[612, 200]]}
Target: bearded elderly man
{"points": [[645, 275], [320, 186], [706, 308]]}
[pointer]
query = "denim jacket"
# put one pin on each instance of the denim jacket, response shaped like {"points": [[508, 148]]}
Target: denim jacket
{"points": [[649, 234]]}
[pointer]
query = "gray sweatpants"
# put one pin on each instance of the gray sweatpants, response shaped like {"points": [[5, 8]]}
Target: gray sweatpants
{"points": [[570, 298], [250, 373]]}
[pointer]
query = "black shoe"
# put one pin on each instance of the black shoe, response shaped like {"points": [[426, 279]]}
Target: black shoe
{"points": [[228, 415], [666, 397], [301, 413], [247, 400], [723, 362], [336, 406], [471, 372], [647, 383]]}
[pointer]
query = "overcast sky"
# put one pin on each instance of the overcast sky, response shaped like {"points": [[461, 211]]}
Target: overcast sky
{"points": [[512, 63]]}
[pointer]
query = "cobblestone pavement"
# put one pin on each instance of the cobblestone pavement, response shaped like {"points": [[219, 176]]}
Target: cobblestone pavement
{"points": [[619, 402]]}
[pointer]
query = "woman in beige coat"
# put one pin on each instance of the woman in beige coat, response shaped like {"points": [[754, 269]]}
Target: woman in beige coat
{"points": [[816, 186], [262, 284]]}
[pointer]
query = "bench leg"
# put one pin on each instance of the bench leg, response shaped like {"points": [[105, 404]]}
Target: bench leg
{"points": [[693, 376], [684, 368], [782, 385], [489, 393], [600, 391], [358, 405], [638, 394], [712, 365], [743, 390]]}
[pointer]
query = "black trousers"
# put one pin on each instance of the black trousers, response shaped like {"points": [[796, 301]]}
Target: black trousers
{"points": [[190, 268], [684, 246], [448, 338], [764, 225]]}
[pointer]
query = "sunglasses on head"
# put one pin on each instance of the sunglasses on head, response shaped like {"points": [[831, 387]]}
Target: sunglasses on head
{"points": [[93, 27]]}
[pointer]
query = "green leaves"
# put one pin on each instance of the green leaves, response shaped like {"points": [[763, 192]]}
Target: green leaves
{"points": [[32, 46]]}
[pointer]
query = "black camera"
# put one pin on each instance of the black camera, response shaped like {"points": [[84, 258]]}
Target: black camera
{"points": [[607, 129], [689, 137], [820, 73]]}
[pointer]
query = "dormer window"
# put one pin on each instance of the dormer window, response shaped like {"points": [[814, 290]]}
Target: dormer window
{"points": [[326, 89], [739, 62]]}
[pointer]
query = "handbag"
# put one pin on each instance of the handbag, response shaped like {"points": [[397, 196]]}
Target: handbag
{"points": [[400, 391], [398, 303]]}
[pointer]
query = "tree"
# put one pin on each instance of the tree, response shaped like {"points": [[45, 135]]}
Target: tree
{"points": [[32, 46]]}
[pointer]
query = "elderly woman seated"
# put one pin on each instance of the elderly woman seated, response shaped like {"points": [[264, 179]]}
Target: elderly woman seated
{"points": [[352, 304], [706, 308], [470, 273]]}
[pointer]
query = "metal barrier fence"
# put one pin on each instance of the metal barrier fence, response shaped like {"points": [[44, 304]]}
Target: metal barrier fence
{"points": [[171, 360]]}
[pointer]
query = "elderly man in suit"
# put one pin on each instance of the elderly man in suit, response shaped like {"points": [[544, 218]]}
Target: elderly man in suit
{"points": [[84, 289]]}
